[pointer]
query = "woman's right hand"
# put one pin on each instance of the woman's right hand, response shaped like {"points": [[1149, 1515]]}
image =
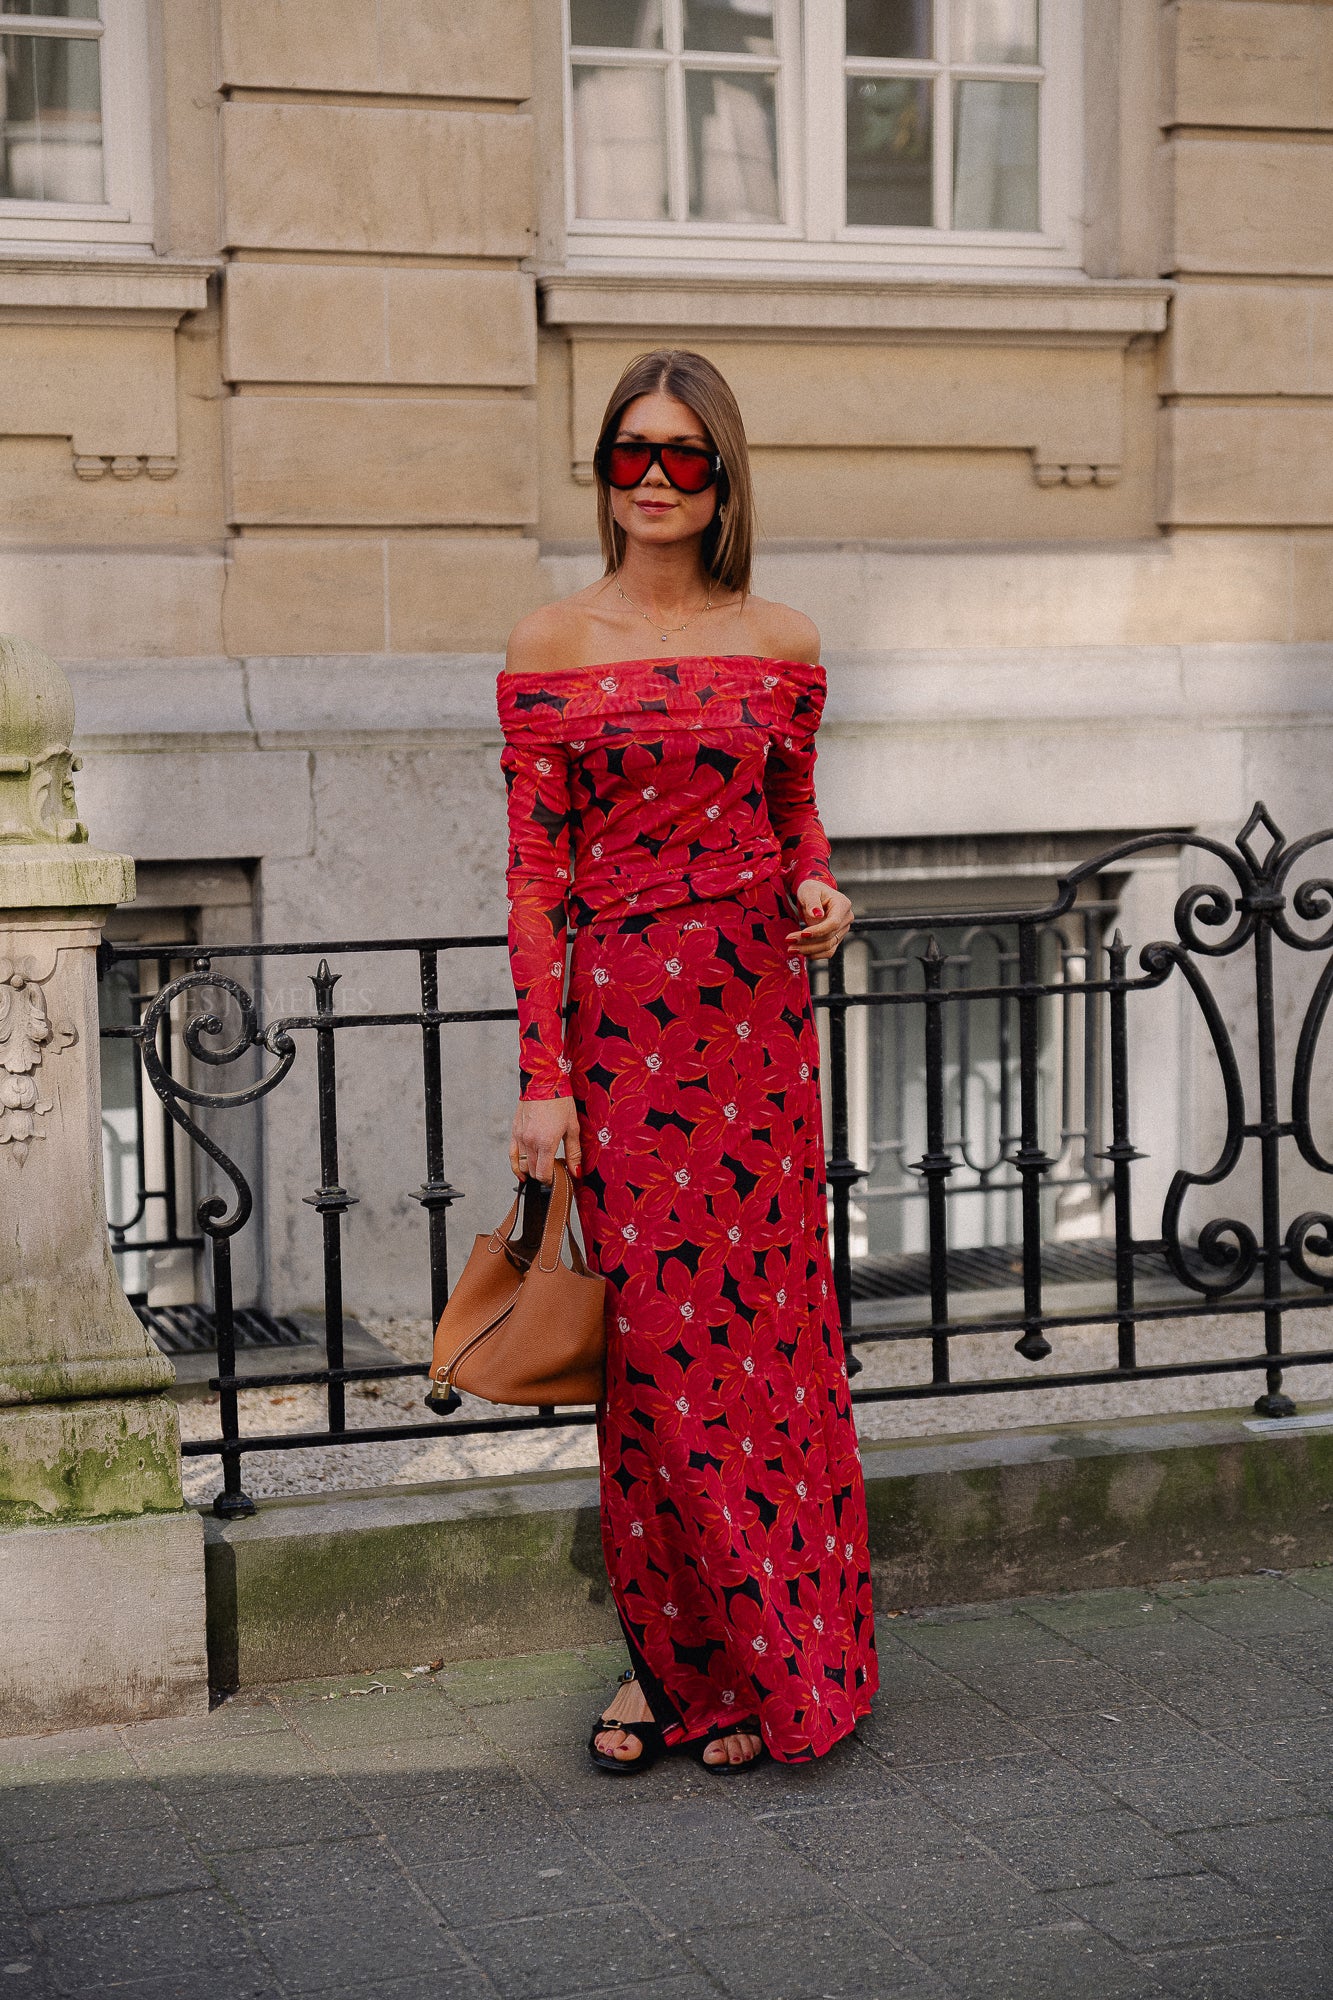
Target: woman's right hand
{"points": [[541, 1124]]}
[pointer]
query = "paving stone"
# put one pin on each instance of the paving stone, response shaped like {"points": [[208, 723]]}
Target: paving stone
{"points": [[933, 1894], [345, 1945], [932, 1733], [224, 1817], [1055, 1685], [1066, 1961], [41, 1812], [852, 1771], [822, 1958], [390, 1718], [755, 1883], [1297, 1968], [1318, 1581], [1166, 1652], [92, 1747], [484, 1683], [542, 1878], [234, 1717], [104, 1868], [1093, 1611], [457, 1819], [1120, 1736], [541, 1723], [226, 1760], [1077, 1850], [691, 1986], [1307, 1655], [1178, 1909], [156, 1936], [1179, 1793], [462, 1982], [1300, 1753], [25, 1979], [545, 1958], [1000, 1640], [880, 1832], [1246, 1606], [630, 1825], [1293, 1856], [232, 1979], [404, 1769], [1258, 1692], [991, 1788], [301, 1880]]}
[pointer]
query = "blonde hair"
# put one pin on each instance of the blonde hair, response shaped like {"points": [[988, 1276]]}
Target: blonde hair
{"points": [[728, 541]]}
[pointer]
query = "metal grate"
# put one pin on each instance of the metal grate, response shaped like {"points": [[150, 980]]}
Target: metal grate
{"points": [[995, 1268], [194, 1329]]}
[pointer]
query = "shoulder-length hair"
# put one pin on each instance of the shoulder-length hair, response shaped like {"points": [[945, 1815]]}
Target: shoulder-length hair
{"points": [[728, 542]]}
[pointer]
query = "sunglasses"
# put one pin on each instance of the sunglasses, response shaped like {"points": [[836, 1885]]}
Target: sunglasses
{"points": [[687, 467]]}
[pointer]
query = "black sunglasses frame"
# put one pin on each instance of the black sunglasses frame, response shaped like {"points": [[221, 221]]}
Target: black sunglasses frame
{"points": [[654, 451]]}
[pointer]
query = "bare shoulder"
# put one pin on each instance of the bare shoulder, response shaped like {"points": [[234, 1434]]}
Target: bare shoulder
{"points": [[782, 633], [552, 638]]}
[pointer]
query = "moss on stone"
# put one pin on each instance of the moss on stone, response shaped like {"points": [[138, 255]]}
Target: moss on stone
{"points": [[89, 1461]]}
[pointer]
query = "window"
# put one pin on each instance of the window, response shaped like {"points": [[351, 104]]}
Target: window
{"points": [[833, 130], [73, 120]]}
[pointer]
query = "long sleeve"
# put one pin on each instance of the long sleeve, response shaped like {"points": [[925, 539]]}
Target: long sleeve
{"points": [[789, 788], [538, 879]]}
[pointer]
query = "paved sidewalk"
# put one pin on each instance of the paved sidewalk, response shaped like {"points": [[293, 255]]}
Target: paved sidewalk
{"points": [[1122, 1793]]}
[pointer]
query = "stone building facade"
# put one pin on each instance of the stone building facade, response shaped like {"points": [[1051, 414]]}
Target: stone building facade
{"points": [[302, 351]]}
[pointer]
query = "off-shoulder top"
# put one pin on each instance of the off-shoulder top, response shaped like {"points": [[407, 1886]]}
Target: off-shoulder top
{"points": [[639, 786]]}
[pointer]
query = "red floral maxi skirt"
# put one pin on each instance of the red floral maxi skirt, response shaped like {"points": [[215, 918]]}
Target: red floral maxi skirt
{"points": [[733, 1509]]}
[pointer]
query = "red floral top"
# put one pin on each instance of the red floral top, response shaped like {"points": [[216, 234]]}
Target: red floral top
{"points": [[640, 786]]}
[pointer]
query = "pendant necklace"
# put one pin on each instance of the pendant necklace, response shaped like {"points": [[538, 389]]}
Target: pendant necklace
{"points": [[663, 636]]}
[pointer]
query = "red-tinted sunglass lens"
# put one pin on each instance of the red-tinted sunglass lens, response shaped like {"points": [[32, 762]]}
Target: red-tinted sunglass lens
{"points": [[690, 471], [626, 464]]}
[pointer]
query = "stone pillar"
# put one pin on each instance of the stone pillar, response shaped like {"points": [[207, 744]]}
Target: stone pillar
{"points": [[101, 1563]]}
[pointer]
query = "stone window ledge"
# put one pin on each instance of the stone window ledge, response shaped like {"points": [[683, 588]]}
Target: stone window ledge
{"points": [[42, 286], [982, 307]]}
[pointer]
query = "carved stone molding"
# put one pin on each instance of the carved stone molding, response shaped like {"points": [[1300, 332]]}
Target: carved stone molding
{"points": [[90, 466], [88, 352], [27, 1036]]}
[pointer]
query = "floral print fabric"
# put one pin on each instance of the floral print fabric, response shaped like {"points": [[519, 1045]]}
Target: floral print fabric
{"points": [[667, 809]]}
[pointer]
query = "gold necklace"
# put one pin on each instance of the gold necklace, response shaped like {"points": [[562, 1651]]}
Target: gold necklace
{"points": [[663, 636]]}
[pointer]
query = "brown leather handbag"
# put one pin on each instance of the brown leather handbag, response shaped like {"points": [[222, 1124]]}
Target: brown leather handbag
{"points": [[520, 1325]]}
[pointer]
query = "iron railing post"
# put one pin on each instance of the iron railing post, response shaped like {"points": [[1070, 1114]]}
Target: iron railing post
{"points": [[435, 1194], [1030, 1160], [841, 1169], [331, 1201]]}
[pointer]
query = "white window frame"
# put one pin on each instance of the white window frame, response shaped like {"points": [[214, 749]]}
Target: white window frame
{"points": [[125, 216], [811, 121]]}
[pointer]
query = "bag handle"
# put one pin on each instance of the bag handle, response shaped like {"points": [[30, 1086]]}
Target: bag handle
{"points": [[548, 1207], [557, 1218]]}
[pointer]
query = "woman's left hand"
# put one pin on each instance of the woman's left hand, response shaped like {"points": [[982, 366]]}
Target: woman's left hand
{"points": [[828, 918]]}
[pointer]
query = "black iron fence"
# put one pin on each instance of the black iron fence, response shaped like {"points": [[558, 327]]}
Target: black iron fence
{"points": [[1264, 1268]]}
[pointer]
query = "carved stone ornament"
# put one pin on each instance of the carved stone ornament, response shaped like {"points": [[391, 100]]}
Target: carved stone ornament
{"points": [[37, 805], [27, 1036]]}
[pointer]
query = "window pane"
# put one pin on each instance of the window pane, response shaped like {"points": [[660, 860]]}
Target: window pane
{"points": [[733, 147], [620, 169], [889, 152], [60, 10], [612, 24], [995, 156], [50, 119], [994, 31], [889, 27], [741, 27]]}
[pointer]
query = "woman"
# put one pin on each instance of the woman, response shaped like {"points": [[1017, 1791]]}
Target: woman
{"points": [[661, 798]]}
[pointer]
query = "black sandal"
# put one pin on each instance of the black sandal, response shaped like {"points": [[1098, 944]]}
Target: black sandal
{"points": [[724, 1768], [649, 1735]]}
